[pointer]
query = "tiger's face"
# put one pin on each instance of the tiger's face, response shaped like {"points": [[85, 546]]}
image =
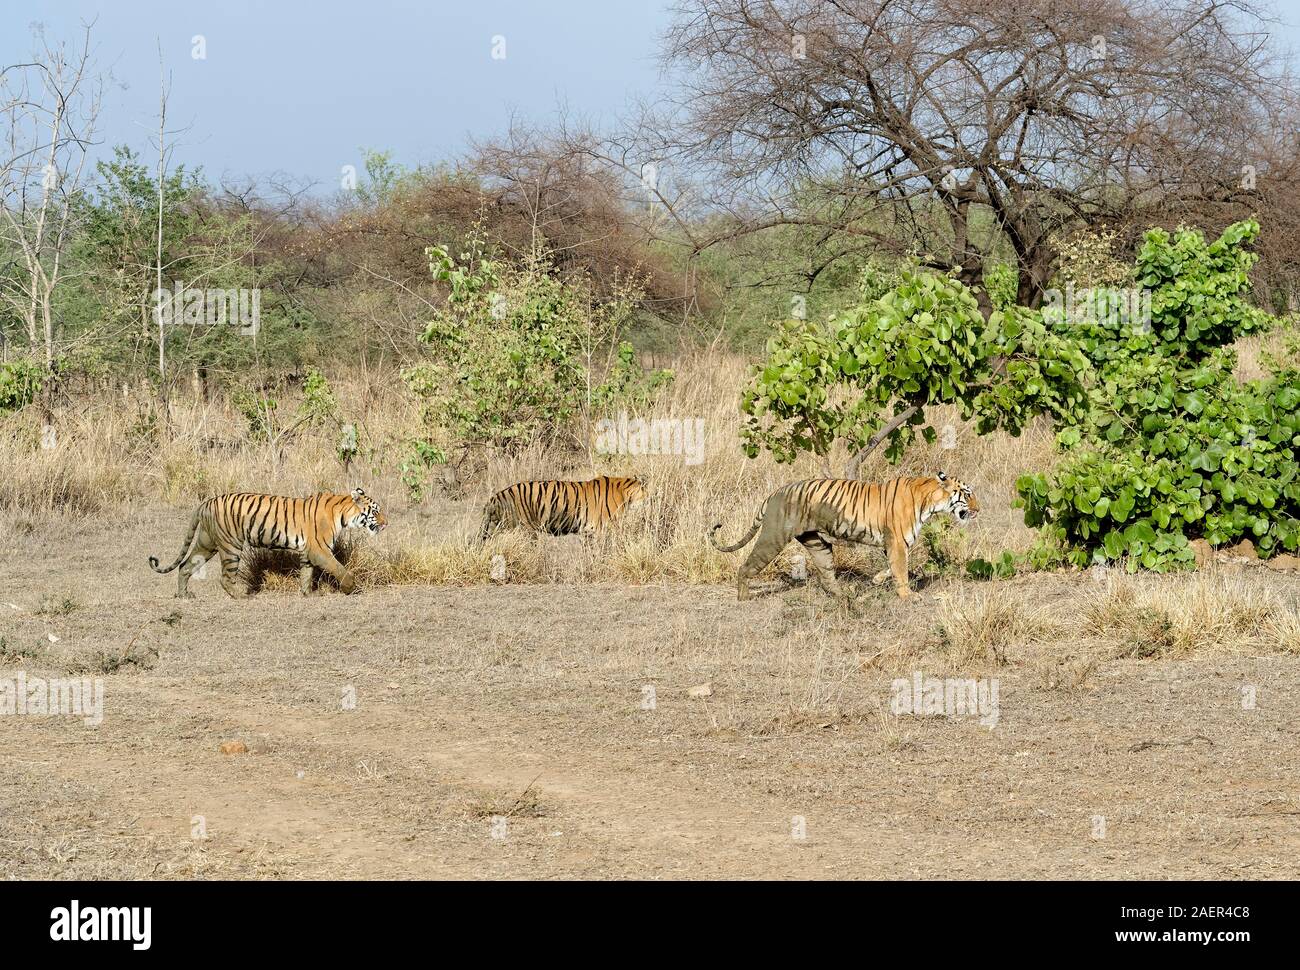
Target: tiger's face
{"points": [[961, 500], [635, 492], [368, 515]]}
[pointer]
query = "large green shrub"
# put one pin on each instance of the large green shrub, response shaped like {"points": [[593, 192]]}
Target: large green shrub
{"points": [[1172, 447], [514, 352], [875, 368], [21, 382]]}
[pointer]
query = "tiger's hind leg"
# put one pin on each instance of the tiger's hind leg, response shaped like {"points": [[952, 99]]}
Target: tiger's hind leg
{"points": [[203, 551], [230, 580], [772, 538], [308, 575], [819, 553]]}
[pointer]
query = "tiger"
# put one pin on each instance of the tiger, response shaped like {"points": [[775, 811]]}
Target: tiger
{"points": [[821, 509], [561, 508], [232, 525]]}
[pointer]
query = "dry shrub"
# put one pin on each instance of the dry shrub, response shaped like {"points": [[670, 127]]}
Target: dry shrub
{"points": [[1171, 615], [450, 563], [979, 626], [1067, 674], [114, 450]]}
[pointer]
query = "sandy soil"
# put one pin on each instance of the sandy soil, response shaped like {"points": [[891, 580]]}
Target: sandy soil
{"points": [[506, 732]]}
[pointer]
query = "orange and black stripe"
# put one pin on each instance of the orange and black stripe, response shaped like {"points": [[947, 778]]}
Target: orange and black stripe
{"points": [[559, 507], [240, 520]]}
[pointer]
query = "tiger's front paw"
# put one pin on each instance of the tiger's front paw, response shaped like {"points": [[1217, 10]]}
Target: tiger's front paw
{"points": [[348, 585], [183, 596], [904, 593]]}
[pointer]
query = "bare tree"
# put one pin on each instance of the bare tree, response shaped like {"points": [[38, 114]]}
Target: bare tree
{"points": [[162, 187], [50, 106], [963, 130], [555, 188]]}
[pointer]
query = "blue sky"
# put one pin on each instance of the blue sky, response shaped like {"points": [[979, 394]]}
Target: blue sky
{"points": [[302, 87]]}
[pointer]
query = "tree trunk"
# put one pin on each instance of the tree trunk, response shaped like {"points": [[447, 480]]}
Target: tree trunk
{"points": [[897, 421]]}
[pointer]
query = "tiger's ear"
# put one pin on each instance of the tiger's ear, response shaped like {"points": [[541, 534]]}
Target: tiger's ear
{"points": [[358, 494], [942, 477]]}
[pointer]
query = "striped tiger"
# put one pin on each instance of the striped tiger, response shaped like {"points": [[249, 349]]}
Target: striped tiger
{"points": [[232, 525], [816, 511], [561, 508]]}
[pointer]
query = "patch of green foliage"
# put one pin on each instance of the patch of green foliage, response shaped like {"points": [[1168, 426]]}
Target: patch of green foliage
{"points": [[1172, 447], [920, 344], [21, 382], [512, 352], [1162, 444], [628, 383], [1004, 567], [258, 410], [414, 471]]}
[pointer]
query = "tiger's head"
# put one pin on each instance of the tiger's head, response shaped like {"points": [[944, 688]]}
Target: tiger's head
{"points": [[634, 493], [368, 514], [960, 500]]}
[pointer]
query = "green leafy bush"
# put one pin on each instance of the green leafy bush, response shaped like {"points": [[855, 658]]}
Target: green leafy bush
{"points": [[421, 458], [258, 410], [1199, 289], [922, 343], [1172, 447], [512, 350], [628, 383], [1001, 281], [318, 403], [21, 382], [1002, 568]]}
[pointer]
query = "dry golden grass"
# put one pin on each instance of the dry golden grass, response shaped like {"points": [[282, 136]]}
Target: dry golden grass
{"points": [[115, 451], [1251, 351], [1210, 609], [978, 627]]}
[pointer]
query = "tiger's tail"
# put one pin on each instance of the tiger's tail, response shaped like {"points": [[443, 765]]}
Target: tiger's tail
{"points": [[744, 541], [185, 548], [491, 519]]}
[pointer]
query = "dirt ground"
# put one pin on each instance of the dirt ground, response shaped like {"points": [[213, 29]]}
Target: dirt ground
{"points": [[548, 731]]}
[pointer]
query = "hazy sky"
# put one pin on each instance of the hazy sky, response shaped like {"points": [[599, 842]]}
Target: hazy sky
{"points": [[302, 87]]}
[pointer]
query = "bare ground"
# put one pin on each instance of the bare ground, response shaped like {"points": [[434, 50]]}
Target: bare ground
{"points": [[528, 703]]}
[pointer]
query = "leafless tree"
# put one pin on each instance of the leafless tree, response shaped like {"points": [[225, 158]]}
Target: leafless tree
{"points": [[555, 187], [963, 130], [49, 106]]}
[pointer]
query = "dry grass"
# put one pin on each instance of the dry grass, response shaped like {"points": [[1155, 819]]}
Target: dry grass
{"points": [[977, 628], [1211, 609], [527, 703], [114, 451], [1251, 352]]}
